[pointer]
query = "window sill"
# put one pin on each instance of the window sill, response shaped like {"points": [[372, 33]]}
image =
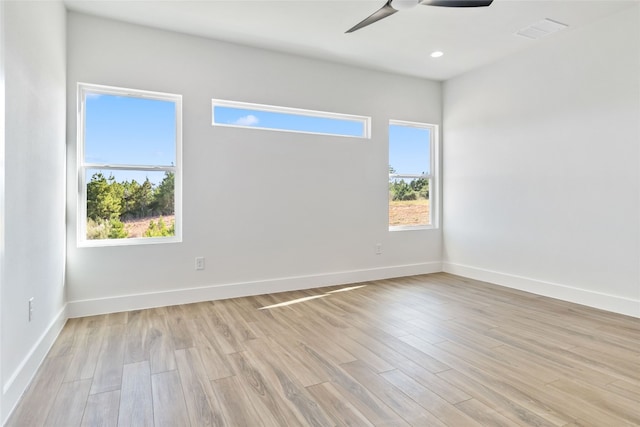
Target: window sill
{"points": [[129, 242], [411, 227]]}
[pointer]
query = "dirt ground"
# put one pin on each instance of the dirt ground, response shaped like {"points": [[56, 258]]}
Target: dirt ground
{"points": [[409, 212], [136, 228]]}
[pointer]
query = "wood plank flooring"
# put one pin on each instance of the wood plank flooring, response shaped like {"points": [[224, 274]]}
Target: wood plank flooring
{"points": [[432, 350]]}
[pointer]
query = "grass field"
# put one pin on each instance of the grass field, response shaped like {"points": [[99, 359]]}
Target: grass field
{"points": [[405, 212], [137, 227], [409, 212]]}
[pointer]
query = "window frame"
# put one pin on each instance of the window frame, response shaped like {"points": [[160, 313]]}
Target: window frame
{"points": [[432, 176], [83, 167], [365, 120]]}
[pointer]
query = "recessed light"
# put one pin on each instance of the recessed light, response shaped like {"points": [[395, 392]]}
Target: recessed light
{"points": [[437, 54]]}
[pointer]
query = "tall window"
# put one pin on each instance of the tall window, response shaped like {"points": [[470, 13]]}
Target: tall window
{"points": [[411, 174], [129, 157]]}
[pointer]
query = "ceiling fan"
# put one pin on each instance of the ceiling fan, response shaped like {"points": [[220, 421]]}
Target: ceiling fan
{"points": [[392, 6]]}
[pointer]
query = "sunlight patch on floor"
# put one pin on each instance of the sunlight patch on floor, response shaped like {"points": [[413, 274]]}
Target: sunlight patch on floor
{"points": [[293, 301], [298, 300]]}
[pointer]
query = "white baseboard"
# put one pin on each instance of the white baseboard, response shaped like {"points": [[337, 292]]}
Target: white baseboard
{"points": [[15, 386], [616, 304], [235, 290]]}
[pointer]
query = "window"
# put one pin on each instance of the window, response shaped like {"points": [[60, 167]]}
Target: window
{"points": [[411, 174], [257, 116], [129, 157]]}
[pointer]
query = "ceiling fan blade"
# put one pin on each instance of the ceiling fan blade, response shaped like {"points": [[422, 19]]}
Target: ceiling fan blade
{"points": [[381, 13], [457, 3]]}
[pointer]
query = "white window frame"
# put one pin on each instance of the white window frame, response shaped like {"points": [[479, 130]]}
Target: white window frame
{"points": [[364, 120], [83, 89], [432, 176]]}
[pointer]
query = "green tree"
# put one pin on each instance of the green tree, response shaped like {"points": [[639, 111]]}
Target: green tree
{"points": [[129, 191], [105, 229], [400, 190], [160, 229], [420, 186], [116, 229], [142, 199], [164, 195], [103, 197]]}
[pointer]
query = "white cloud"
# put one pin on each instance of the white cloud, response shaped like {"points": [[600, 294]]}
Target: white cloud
{"points": [[249, 120]]}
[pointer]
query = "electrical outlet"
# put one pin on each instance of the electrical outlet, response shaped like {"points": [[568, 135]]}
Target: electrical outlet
{"points": [[378, 248], [30, 309], [200, 263]]}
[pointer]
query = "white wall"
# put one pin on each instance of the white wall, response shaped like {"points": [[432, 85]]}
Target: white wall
{"points": [[541, 170], [2, 145], [35, 189], [269, 210]]}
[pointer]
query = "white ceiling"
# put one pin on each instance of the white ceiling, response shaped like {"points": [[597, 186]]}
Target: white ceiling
{"points": [[400, 43]]}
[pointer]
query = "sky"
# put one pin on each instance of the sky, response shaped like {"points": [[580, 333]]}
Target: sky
{"points": [[287, 121], [138, 131], [409, 151], [130, 131]]}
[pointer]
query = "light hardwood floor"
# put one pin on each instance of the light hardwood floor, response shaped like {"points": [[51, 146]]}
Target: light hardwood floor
{"points": [[433, 350]]}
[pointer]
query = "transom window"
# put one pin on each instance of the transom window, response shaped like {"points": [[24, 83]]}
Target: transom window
{"points": [[411, 178], [129, 157], [286, 119]]}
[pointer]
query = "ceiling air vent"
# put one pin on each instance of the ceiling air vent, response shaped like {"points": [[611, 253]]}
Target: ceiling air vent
{"points": [[541, 28]]}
